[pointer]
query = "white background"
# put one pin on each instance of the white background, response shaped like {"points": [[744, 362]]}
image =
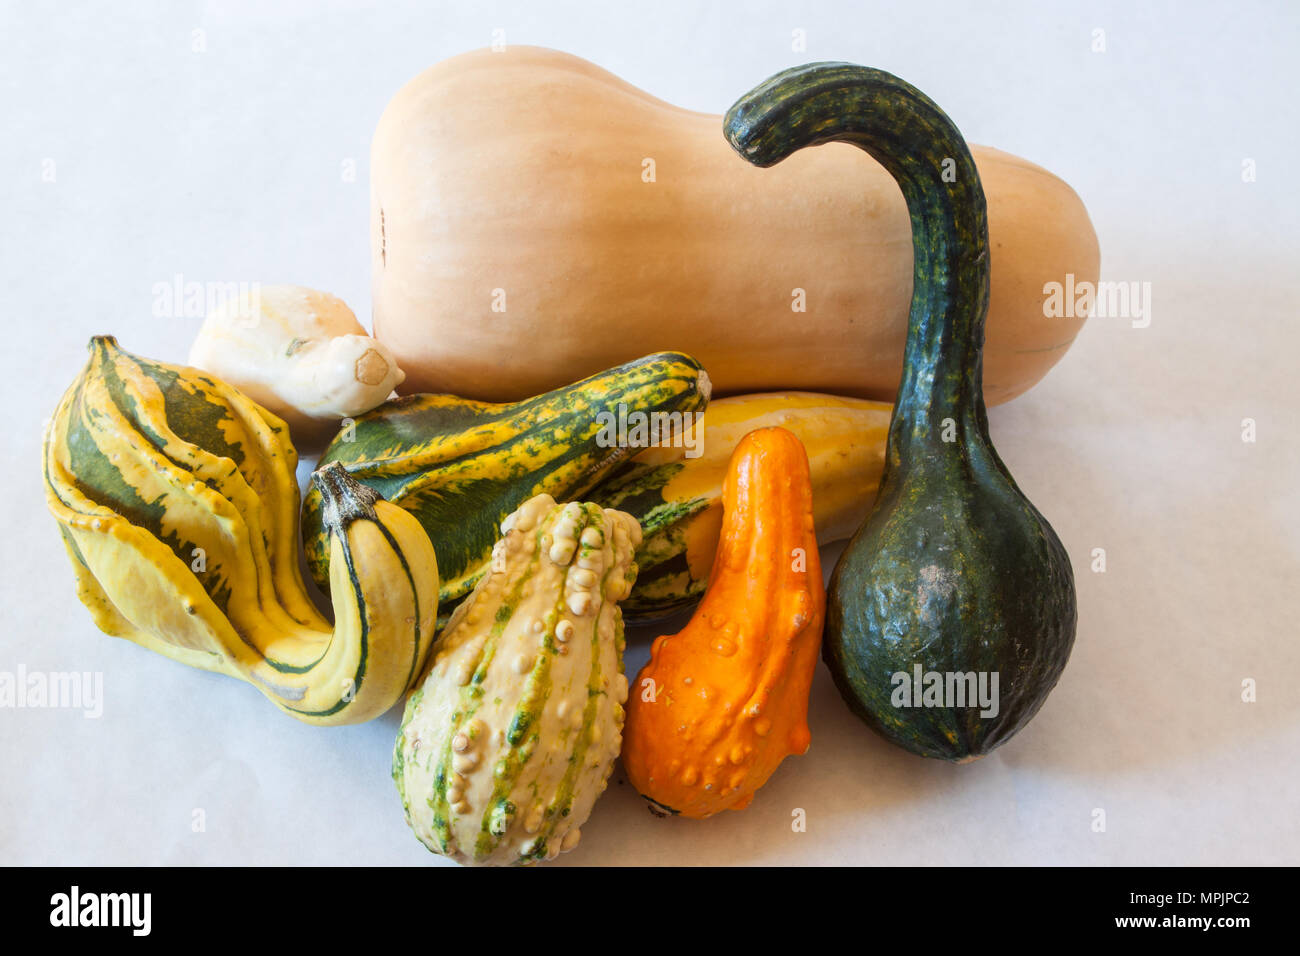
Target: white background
{"points": [[226, 165]]}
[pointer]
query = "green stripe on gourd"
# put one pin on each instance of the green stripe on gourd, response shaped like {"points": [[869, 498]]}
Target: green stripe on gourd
{"points": [[536, 691], [208, 495], [460, 467], [104, 483], [664, 582], [177, 502], [471, 692]]}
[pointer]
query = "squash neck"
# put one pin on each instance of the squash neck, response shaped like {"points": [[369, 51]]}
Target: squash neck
{"points": [[940, 396], [941, 390]]}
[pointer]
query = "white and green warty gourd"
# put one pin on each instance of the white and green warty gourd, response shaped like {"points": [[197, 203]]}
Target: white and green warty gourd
{"points": [[510, 740]]}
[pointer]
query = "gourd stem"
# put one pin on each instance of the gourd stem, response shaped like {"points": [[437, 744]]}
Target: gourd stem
{"points": [[921, 148], [343, 498]]}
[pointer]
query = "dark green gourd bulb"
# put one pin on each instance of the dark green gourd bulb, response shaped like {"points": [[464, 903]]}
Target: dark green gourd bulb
{"points": [[954, 573]]}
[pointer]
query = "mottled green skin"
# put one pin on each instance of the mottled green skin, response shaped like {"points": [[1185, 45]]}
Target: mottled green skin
{"points": [[954, 569], [460, 467], [664, 583], [192, 417]]}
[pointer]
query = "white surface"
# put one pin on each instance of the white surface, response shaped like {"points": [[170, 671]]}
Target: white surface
{"points": [[226, 165]]}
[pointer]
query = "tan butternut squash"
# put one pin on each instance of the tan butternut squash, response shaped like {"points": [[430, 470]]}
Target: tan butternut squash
{"points": [[535, 219]]}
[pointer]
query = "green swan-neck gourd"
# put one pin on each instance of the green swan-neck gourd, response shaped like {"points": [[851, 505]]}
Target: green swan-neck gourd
{"points": [[954, 571]]}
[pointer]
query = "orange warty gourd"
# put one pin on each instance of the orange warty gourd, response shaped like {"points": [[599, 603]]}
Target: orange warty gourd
{"points": [[730, 691]]}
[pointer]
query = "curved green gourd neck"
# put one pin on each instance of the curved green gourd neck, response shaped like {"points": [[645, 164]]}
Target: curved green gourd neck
{"points": [[921, 148]]}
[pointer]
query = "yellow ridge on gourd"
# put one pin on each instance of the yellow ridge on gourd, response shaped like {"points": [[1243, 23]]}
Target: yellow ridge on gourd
{"points": [[177, 500], [675, 491]]}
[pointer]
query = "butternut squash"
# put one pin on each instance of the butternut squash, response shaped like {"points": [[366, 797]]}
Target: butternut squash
{"points": [[535, 219]]}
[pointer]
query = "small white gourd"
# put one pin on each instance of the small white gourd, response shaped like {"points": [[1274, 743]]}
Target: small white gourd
{"points": [[300, 353]]}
